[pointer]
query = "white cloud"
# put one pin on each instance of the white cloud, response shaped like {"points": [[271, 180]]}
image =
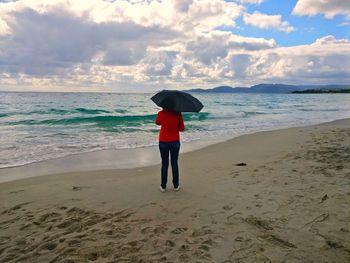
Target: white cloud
{"points": [[328, 8], [346, 23], [146, 44], [44, 44], [251, 1], [214, 46], [267, 21], [318, 62], [206, 15], [327, 60], [182, 5], [4, 28], [68, 40], [329, 40], [159, 63]]}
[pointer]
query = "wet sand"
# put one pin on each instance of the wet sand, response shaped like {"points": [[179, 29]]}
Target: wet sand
{"points": [[287, 201]]}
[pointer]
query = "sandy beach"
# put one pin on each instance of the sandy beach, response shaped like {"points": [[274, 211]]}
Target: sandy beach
{"points": [[287, 201]]}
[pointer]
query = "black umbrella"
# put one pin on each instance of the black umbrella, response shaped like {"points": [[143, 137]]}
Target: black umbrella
{"points": [[177, 101]]}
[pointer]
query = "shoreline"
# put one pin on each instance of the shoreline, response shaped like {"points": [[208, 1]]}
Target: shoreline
{"points": [[106, 159], [289, 203], [99, 160]]}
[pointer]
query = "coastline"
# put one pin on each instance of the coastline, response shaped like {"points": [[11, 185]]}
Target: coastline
{"points": [[289, 203], [99, 160], [113, 159]]}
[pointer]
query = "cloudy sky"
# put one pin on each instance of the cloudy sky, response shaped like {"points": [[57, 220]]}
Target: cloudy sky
{"points": [[147, 45]]}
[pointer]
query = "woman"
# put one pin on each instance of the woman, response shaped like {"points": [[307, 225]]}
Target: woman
{"points": [[169, 142]]}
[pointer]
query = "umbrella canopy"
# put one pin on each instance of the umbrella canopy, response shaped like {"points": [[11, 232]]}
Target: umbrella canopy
{"points": [[177, 101]]}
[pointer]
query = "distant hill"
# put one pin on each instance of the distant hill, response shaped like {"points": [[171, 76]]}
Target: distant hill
{"points": [[270, 88], [220, 89]]}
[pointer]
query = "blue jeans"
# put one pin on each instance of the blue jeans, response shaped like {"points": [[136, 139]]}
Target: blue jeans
{"points": [[173, 148]]}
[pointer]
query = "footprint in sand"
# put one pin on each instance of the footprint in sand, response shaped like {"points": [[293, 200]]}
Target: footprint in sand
{"points": [[160, 230], [234, 218], [170, 243], [74, 243], [48, 246], [123, 230], [146, 230], [227, 207], [212, 241], [234, 174], [184, 247], [202, 254], [205, 230], [93, 256], [49, 217], [16, 207], [179, 230], [185, 258], [204, 247]]}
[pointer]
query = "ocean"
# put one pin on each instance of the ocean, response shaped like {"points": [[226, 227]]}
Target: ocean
{"points": [[36, 126]]}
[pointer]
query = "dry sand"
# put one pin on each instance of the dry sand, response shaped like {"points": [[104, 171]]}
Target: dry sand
{"points": [[290, 203]]}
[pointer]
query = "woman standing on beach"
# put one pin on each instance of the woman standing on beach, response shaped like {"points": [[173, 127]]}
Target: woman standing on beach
{"points": [[169, 142]]}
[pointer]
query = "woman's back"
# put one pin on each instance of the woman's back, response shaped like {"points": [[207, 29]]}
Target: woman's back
{"points": [[171, 123]]}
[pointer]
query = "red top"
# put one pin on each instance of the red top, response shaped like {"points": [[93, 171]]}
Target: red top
{"points": [[171, 123]]}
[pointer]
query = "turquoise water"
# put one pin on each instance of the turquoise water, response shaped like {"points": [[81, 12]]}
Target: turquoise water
{"points": [[41, 126]]}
